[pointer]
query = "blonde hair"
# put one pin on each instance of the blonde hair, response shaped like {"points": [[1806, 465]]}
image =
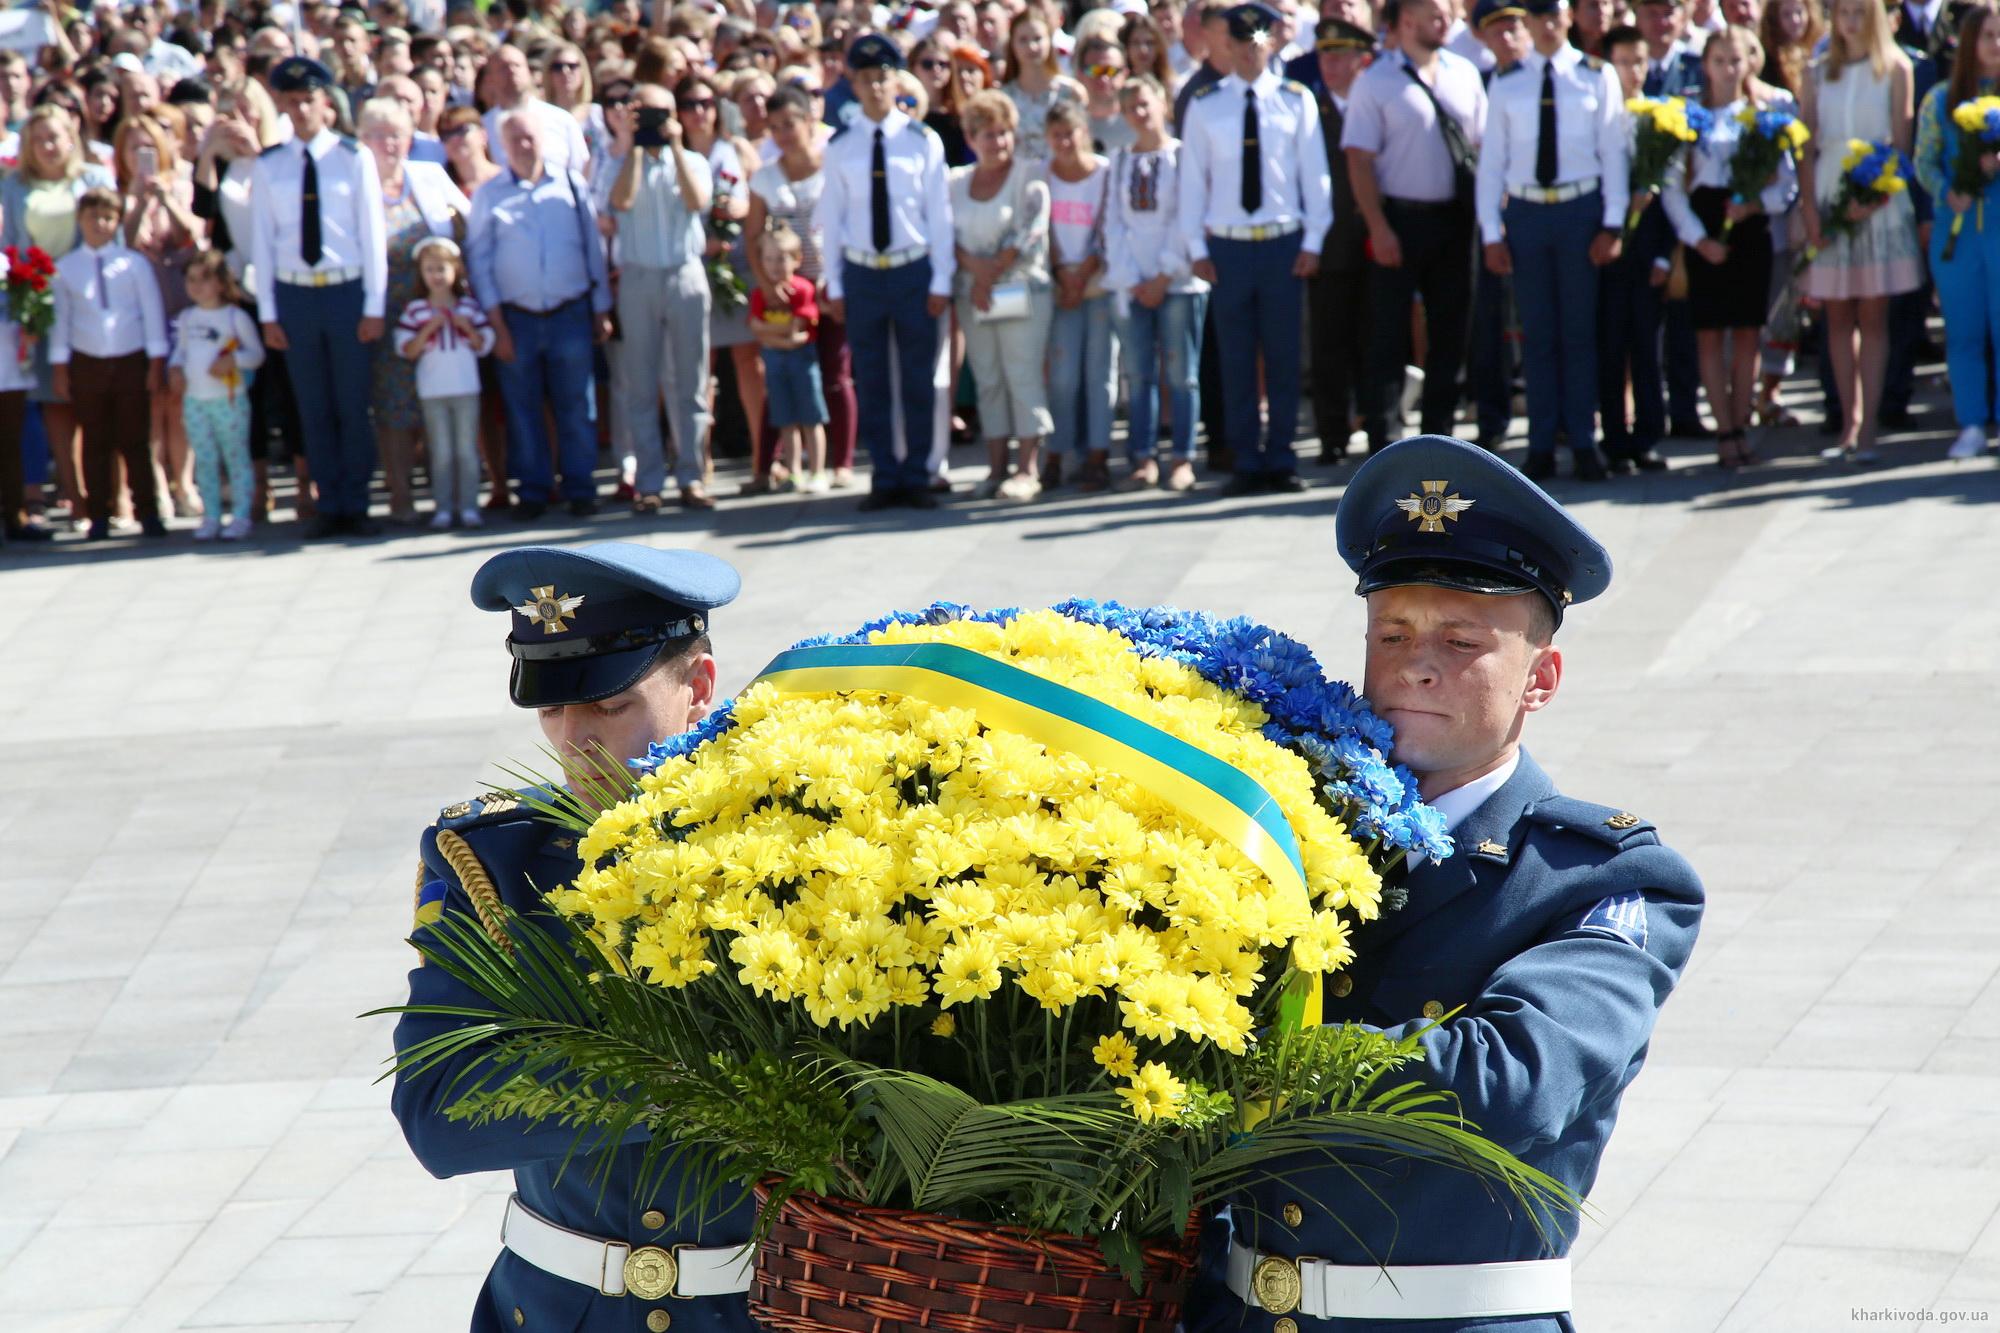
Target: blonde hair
{"points": [[1880, 42], [987, 108], [214, 264], [585, 86], [784, 238], [384, 111], [73, 166]]}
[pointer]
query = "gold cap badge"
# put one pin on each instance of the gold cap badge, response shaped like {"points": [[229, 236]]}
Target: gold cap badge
{"points": [[550, 609], [1430, 507]]}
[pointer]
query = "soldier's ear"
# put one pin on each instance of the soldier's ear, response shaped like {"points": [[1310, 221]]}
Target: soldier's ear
{"points": [[701, 678], [1545, 671]]}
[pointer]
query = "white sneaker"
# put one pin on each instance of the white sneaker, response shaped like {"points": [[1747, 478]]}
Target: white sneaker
{"points": [[1021, 487], [1413, 394], [821, 482], [209, 530], [236, 529], [470, 518], [441, 520], [1971, 443]]}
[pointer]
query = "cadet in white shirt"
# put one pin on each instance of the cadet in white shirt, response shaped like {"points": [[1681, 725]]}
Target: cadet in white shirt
{"points": [[1255, 204], [1556, 153], [885, 231], [323, 272]]}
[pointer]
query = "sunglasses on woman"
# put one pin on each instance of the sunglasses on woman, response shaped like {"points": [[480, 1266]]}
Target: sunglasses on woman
{"points": [[1105, 71], [564, 67], [933, 63], [699, 104]]}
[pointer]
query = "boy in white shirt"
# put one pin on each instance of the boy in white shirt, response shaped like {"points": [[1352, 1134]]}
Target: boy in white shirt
{"points": [[109, 351]]}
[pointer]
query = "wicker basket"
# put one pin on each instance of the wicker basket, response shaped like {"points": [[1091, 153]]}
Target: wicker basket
{"points": [[831, 1266]]}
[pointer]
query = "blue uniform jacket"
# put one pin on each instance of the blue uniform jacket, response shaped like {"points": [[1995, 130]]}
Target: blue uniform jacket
{"points": [[526, 856], [1560, 927]]}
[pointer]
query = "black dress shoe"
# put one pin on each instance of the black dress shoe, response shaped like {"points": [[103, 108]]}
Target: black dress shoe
{"points": [[1647, 461], [879, 500], [99, 532], [1244, 483], [1589, 467], [28, 532], [363, 526], [1538, 468], [1285, 483], [1332, 457], [1619, 465], [152, 527], [1689, 429], [529, 511], [583, 507], [919, 497], [325, 526]]}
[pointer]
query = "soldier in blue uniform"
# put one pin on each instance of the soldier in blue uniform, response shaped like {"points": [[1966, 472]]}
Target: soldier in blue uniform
{"points": [[1533, 960], [610, 647]]}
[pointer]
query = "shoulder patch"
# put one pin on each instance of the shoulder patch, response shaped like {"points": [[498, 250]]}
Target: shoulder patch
{"points": [[1206, 89], [1622, 915], [1294, 86], [1603, 823], [488, 808], [1593, 62], [352, 145]]}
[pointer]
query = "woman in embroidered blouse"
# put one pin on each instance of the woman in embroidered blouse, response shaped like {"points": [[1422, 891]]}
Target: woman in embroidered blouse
{"points": [[1729, 281], [1966, 283]]}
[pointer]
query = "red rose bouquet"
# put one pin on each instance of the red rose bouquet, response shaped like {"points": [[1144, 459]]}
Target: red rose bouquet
{"points": [[30, 303]]}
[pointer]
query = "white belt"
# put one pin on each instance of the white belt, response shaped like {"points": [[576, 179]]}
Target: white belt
{"points": [[884, 258], [1554, 194], [1262, 232], [614, 1267], [325, 277], [1320, 1290]]}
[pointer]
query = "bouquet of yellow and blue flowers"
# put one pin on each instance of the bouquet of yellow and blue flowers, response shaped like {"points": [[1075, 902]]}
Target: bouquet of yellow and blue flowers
{"points": [[1769, 136], [1020, 918], [1978, 122], [1661, 127], [1870, 174]]}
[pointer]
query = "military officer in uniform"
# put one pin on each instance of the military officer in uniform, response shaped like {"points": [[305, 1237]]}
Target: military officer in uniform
{"points": [[322, 277], [610, 647], [1532, 961], [1255, 207], [1553, 183]]}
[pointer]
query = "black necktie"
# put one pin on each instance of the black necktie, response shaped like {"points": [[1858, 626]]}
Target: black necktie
{"points": [[1545, 146], [1253, 157], [878, 194], [309, 249]]}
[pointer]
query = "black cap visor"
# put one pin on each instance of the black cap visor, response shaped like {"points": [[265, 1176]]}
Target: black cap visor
{"points": [[1458, 575], [552, 682]]}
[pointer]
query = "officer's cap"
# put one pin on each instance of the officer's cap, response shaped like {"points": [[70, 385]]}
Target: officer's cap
{"points": [[1440, 511], [299, 74], [1485, 11], [1340, 35], [874, 51], [1249, 22], [1539, 7], [589, 621]]}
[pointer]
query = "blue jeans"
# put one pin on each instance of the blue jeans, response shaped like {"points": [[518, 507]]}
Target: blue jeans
{"points": [[1259, 307], [888, 308], [552, 365], [330, 378], [1083, 378], [1147, 337]]}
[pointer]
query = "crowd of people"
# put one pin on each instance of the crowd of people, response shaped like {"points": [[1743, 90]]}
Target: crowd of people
{"points": [[464, 252]]}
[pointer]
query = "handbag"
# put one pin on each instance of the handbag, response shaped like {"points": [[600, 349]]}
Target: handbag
{"points": [[1010, 301], [1464, 159]]}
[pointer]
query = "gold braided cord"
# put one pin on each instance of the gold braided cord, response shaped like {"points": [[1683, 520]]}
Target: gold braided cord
{"points": [[478, 885]]}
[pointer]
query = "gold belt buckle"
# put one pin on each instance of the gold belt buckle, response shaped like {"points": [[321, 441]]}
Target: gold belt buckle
{"points": [[651, 1272], [1276, 1284]]}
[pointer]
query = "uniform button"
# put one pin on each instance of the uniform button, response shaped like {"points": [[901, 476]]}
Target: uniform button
{"points": [[652, 1219], [1293, 1214], [519, 1318], [1433, 1008], [1342, 986], [1286, 1325], [659, 1321]]}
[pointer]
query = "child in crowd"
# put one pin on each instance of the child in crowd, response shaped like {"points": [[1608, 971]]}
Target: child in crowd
{"points": [[215, 344], [785, 319], [445, 332], [109, 351]]}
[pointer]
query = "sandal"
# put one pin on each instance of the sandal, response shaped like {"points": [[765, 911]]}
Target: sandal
{"points": [[1776, 414], [1730, 447]]}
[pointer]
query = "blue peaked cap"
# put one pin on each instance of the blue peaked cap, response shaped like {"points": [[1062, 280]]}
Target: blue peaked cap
{"points": [[589, 621]]}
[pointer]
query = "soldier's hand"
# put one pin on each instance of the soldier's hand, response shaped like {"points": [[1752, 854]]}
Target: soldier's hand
{"points": [[1305, 266], [274, 337], [1499, 259], [1714, 251], [1604, 250], [369, 329], [1204, 269], [937, 305]]}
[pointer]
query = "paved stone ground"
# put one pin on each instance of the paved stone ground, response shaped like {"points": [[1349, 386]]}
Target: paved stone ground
{"points": [[213, 768]]}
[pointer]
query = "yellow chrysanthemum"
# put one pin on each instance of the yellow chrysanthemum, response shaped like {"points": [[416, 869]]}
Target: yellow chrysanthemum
{"points": [[1116, 1053], [969, 970], [944, 1025], [1154, 1093]]}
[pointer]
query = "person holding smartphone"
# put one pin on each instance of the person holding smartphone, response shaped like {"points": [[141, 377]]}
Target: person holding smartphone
{"points": [[661, 194]]}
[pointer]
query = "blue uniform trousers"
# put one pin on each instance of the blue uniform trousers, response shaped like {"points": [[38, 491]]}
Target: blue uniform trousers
{"points": [[1259, 308], [552, 366], [1555, 289], [1683, 362], [1489, 361], [1968, 287], [329, 370], [887, 308], [1629, 311]]}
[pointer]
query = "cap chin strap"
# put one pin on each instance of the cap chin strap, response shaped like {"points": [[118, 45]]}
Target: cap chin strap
{"points": [[614, 641]]}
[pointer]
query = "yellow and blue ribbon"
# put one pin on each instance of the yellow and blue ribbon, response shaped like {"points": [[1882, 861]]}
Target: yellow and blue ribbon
{"points": [[1230, 802]]}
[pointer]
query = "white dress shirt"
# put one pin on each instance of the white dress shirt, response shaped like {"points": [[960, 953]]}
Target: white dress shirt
{"points": [[1297, 187], [351, 225], [107, 304], [563, 146], [1712, 155], [919, 197], [1592, 134], [1458, 803]]}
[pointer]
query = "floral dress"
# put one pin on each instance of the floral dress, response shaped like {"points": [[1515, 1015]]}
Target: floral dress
{"points": [[394, 396], [1880, 257]]}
